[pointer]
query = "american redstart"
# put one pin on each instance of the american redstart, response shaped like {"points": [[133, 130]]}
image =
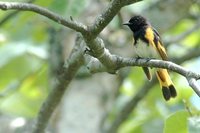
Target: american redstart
{"points": [[148, 44]]}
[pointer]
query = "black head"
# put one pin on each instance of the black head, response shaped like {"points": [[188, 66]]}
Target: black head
{"points": [[136, 23]]}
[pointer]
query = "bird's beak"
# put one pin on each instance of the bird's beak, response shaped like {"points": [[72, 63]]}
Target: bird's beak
{"points": [[126, 23]]}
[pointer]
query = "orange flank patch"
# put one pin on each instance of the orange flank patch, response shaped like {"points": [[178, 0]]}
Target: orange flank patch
{"points": [[150, 36], [159, 47]]}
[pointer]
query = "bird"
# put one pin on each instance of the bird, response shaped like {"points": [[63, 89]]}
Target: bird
{"points": [[148, 44]]}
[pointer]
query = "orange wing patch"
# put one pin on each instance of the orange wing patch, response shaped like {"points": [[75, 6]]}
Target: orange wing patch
{"points": [[149, 35], [162, 51]]}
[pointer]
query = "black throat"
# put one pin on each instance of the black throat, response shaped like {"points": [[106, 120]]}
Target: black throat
{"points": [[140, 34]]}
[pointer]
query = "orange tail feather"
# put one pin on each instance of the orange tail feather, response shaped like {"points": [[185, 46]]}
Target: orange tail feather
{"points": [[166, 84]]}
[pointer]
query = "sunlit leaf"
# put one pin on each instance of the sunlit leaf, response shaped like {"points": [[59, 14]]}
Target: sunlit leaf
{"points": [[177, 123], [28, 97]]}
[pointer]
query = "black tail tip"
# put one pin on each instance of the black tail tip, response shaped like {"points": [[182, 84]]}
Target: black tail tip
{"points": [[172, 91], [169, 92], [166, 93]]}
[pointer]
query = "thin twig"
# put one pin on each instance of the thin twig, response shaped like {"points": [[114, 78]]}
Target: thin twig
{"points": [[12, 14], [193, 84], [43, 11]]}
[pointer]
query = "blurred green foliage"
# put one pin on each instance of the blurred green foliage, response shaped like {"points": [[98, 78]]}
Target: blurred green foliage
{"points": [[24, 54], [24, 71], [177, 122]]}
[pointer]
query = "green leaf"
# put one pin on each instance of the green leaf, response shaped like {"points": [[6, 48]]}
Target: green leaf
{"points": [[26, 100], [177, 123]]}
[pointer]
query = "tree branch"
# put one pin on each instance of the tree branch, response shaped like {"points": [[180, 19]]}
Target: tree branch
{"points": [[107, 15], [124, 62], [158, 64], [143, 91], [68, 71], [12, 14], [111, 63], [104, 18], [193, 84], [43, 11], [120, 62]]}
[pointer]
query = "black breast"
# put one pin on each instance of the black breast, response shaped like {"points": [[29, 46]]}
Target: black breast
{"points": [[140, 34]]}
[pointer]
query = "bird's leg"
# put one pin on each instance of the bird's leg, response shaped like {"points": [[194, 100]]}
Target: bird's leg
{"points": [[148, 59], [138, 57], [89, 51]]}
